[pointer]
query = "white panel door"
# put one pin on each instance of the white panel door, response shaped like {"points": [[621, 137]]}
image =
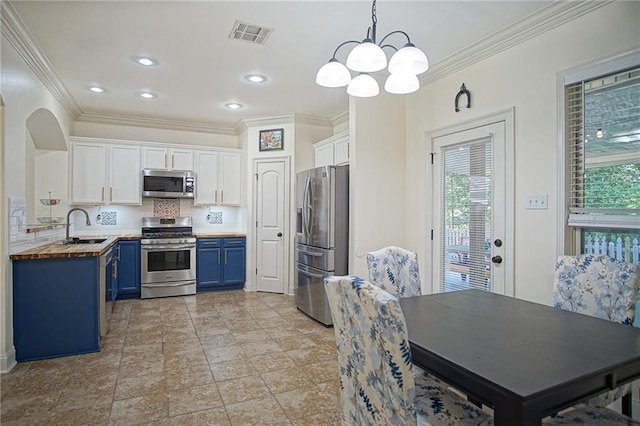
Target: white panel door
{"points": [[88, 173], [271, 202], [124, 175], [472, 243]]}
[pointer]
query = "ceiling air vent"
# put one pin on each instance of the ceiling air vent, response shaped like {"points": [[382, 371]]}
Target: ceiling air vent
{"points": [[249, 32]]}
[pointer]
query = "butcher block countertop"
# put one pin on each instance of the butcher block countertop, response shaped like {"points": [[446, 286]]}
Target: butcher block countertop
{"points": [[58, 250]]}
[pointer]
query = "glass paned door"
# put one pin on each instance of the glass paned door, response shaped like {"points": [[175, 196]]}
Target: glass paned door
{"points": [[469, 210], [466, 216]]}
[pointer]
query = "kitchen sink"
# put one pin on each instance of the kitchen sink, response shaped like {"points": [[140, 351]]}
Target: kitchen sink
{"points": [[85, 241]]}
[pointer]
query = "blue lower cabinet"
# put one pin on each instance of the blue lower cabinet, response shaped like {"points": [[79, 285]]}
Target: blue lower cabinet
{"points": [[55, 307], [208, 264], [128, 270], [220, 263]]}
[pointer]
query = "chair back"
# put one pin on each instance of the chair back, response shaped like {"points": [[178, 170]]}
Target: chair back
{"points": [[376, 374], [597, 285], [395, 270]]}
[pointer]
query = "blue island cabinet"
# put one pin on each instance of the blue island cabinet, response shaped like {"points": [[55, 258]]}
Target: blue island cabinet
{"points": [[220, 263], [128, 271], [56, 307]]}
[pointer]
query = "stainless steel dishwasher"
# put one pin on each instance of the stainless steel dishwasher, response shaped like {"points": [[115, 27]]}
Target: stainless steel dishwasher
{"points": [[105, 305]]}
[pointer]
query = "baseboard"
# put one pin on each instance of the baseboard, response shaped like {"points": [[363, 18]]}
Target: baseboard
{"points": [[8, 360]]}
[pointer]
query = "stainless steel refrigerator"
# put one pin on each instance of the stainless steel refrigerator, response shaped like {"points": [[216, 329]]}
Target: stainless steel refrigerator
{"points": [[322, 240]]}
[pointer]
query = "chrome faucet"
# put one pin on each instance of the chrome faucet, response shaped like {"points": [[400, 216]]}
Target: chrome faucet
{"points": [[69, 214]]}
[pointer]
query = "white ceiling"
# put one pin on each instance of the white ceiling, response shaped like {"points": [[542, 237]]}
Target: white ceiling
{"points": [[200, 69]]}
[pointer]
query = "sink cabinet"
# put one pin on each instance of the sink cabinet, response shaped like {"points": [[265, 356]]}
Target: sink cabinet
{"points": [[56, 307], [220, 263]]}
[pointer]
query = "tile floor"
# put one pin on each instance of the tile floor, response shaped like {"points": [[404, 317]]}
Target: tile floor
{"points": [[226, 358]]}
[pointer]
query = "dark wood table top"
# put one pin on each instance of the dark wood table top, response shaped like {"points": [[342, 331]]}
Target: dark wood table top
{"points": [[517, 355]]}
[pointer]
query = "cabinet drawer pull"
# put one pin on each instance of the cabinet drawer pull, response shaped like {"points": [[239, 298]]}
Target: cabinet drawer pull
{"points": [[110, 193], [216, 201], [222, 195], [225, 257], [102, 196], [218, 258]]}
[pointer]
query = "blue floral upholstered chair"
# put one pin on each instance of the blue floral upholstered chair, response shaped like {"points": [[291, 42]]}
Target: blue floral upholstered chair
{"points": [[395, 270], [376, 372], [599, 286]]}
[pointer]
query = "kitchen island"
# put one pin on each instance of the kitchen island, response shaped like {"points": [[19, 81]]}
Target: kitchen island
{"points": [[59, 297]]}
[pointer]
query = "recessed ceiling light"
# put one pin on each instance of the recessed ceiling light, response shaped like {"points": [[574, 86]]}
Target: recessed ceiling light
{"points": [[256, 78], [143, 60], [148, 95], [96, 89], [234, 105]]}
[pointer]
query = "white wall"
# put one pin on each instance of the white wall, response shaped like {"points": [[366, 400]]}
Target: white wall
{"points": [[377, 177], [147, 134], [523, 77], [306, 136], [22, 93]]}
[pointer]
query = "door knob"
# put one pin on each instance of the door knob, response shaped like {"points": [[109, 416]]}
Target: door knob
{"points": [[496, 259], [279, 234], [498, 242]]}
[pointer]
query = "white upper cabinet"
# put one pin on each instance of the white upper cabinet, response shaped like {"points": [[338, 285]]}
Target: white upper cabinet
{"points": [[230, 178], [218, 178], [103, 173], [333, 150], [324, 155], [88, 173], [160, 158], [206, 178], [124, 174]]}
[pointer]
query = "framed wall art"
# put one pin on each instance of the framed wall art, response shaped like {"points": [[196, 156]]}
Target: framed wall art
{"points": [[271, 140]]}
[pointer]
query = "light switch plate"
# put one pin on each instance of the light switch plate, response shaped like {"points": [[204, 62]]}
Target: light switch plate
{"points": [[537, 201]]}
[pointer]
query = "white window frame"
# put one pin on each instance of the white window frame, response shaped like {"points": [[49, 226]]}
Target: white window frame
{"points": [[609, 65]]}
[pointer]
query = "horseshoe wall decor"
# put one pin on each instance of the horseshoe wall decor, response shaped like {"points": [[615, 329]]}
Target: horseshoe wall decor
{"points": [[463, 91]]}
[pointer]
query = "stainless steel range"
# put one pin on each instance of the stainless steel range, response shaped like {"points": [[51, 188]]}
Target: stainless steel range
{"points": [[168, 257]]}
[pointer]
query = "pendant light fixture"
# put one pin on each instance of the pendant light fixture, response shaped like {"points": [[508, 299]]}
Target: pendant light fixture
{"points": [[368, 57]]}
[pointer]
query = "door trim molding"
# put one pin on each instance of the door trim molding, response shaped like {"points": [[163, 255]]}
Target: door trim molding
{"points": [[287, 241], [508, 117]]}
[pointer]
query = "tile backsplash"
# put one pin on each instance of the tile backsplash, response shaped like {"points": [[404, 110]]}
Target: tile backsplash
{"points": [[166, 207], [127, 219]]}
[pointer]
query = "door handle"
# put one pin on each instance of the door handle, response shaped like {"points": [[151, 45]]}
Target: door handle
{"points": [[279, 234], [497, 259]]}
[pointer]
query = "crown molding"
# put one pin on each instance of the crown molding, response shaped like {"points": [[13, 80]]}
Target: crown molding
{"points": [[155, 123], [539, 22], [17, 34], [270, 120], [341, 117]]}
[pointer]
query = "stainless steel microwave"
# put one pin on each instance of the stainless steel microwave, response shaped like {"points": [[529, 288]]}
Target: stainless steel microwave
{"points": [[168, 184]]}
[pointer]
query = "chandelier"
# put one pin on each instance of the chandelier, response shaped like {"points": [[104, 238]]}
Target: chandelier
{"points": [[367, 57]]}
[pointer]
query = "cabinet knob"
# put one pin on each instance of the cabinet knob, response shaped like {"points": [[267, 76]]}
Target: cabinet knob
{"points": [[279, 234]]}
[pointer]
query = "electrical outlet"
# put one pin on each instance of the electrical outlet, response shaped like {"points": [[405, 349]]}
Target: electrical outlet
{"points": [[537, 201], [98, 220]]}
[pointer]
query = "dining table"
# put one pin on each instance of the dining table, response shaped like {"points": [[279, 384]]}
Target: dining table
{"points": [[525, 360]]}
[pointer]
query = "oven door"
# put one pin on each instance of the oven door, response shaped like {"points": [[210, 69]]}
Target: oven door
{"points": [[168, 263]]}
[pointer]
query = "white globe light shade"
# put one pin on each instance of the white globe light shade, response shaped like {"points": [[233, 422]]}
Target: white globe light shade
{"points": [[333, 74], [367, 57], [409, 59], [402, 83], [363, 86]]}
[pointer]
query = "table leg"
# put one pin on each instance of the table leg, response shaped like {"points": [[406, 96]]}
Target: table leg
{"points": [[509, 412]]}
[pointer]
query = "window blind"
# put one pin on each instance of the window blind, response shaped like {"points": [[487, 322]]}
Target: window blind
{"points": [[603, 151], [466, 215]]}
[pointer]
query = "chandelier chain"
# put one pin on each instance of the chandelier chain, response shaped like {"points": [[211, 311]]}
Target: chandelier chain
{"points": [[374, 17]]}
